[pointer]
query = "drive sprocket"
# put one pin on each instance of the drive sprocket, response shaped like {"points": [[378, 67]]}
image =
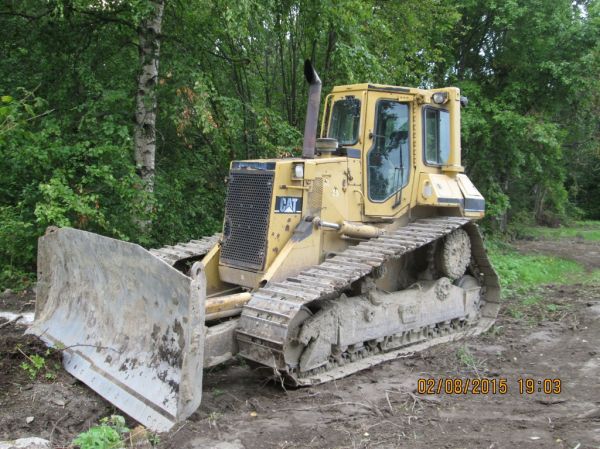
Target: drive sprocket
{"points": [[454, 254]]}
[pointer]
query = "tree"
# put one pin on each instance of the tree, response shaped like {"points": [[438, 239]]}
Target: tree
{"points": [[126, 144], [526, 65], [149, 34]]}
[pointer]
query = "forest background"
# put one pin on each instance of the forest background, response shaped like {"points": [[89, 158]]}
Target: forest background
{"points": [[90, 89]]}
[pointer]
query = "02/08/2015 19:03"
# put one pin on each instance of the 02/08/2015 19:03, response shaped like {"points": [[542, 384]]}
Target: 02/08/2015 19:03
{"points": [[525, 386]]}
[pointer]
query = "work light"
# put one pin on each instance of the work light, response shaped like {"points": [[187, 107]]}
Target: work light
{"points": [[440, 97]]}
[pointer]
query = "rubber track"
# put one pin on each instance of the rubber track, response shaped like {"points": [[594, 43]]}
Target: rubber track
{"points": [[188, 250], [263, 328]]}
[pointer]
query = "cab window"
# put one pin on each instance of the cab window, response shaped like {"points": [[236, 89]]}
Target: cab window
{"points": [[388, 160], [345, 120], [437, 136]]}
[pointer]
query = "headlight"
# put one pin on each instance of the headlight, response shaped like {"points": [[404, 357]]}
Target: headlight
{"points": [[439, 97], [299, 171]]}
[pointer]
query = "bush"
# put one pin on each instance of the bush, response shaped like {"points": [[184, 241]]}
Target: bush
{"points": [[49, 176], [108, 435]]}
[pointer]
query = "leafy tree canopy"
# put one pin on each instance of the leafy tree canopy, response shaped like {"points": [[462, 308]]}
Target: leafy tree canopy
{"points": [[231, 86]]}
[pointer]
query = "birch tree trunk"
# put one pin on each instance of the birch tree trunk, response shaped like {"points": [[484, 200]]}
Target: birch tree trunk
{"points": [[149, 34]]}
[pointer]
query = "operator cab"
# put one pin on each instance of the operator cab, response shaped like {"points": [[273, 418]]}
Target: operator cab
{"points": [[401, 136]]}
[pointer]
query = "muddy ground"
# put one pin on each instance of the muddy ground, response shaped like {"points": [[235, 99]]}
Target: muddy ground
{"points": [[55, 406], [558, 338]]}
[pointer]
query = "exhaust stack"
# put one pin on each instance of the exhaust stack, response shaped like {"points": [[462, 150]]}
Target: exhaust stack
{"points": [[312, 110]]}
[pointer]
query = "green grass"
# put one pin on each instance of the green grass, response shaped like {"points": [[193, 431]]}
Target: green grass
{"points": [[519, 273], [465, 356], [522, 276], [522, 273], [466, 360], [595, 224], [592, 278], [588, 230]]}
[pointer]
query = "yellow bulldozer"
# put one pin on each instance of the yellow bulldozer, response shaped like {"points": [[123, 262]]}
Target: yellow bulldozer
{"points": [[362, 249]]}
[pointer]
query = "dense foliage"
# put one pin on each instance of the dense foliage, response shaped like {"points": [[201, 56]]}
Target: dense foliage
{"points": [[231, 86]]}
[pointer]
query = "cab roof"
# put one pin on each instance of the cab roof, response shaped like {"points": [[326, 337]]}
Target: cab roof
{"points": [[379, 88]]}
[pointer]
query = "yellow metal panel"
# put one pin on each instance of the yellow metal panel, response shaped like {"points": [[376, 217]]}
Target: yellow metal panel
{"points": [[474, 202], [467, 187], [237, 276], [214, 283], [295, 256], [310, 167], [439, 190], [282, 225]]}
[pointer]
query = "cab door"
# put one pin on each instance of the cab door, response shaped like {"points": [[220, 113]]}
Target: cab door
{"points": [[387, 159]]}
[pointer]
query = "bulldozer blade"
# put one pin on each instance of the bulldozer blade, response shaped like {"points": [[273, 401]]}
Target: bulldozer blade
{"points": [[129, 326]]}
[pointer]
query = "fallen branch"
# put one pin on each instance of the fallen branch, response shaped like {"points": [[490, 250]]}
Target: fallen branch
{"points": [[26, 356], [424, 398], [15, 319], [28, 303], [387, 396], [54, 426]]}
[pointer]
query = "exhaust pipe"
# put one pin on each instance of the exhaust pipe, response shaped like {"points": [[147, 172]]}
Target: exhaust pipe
{"points": [[312, 111]]}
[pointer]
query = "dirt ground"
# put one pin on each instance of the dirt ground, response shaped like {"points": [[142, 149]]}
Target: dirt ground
{"points": [[558, 338], [60, 406]]}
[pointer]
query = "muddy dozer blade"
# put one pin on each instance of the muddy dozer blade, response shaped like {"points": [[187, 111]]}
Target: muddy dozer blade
{"points": [[130, 326]]}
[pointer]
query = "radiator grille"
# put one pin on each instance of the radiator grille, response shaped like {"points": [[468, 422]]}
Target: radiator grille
{"points": [[247, 212]]}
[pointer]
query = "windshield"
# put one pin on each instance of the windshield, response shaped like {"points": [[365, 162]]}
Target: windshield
{"points": [[345, 119]]}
